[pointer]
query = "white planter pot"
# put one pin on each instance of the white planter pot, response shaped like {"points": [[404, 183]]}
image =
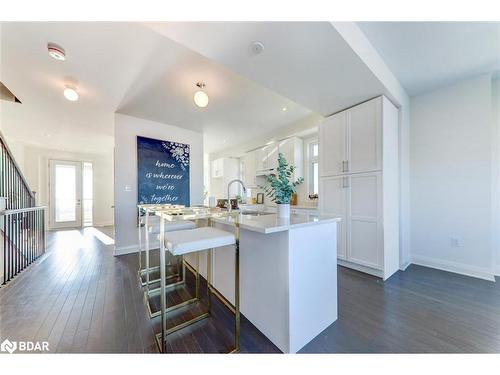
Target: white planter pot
{"points": [[284, 210]]}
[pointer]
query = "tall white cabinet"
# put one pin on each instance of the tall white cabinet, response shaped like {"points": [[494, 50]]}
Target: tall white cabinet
{"points": [[359, 181]]}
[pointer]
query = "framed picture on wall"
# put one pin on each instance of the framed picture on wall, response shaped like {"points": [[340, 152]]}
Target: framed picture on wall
{"points": [[162, 172]]}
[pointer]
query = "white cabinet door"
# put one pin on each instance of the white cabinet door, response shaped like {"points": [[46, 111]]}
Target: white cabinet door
{"points": [[333, 200], [364, 220], [250, 170], [272, 156], [261, 158], [332, 145], [217, 168], [365, 137]]}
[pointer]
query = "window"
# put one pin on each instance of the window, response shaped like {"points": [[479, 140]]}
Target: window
{"points": [[313, 166]]}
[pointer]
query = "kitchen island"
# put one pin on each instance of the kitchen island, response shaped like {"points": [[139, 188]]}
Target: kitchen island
{"points": [[288, 274]]}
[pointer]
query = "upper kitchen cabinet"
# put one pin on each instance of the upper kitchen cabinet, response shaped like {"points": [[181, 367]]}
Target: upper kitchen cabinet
{"points": [[292, 150], [261, 158], [264, 160], [250, 169], [351, 140], [217, 168], [223, 170], [333, 144], [364, 135]]}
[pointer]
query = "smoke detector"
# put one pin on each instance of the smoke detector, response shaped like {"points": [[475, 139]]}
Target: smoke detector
{"points": [[56, 52], [257, 47]]}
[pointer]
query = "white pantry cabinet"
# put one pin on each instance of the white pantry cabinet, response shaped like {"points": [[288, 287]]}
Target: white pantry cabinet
{"points": [[337, 205], [359, 181], [351, 141]]}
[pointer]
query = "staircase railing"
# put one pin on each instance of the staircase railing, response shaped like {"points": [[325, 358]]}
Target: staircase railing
{"points": [[13, 185], [22, 224], [23, 239]]}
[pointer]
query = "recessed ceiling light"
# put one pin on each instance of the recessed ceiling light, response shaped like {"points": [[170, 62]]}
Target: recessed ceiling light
{"points": [[71, 94], [284, 109], [56, 52], [200, 97]]}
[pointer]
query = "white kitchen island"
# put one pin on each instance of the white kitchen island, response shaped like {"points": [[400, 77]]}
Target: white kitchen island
{"points": [[288, 275]]}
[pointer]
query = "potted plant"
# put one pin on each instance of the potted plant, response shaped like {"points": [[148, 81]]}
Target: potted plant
{"points": [[279, 187]]}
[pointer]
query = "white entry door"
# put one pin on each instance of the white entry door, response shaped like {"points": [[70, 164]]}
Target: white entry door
{"points": [[65, 194]]}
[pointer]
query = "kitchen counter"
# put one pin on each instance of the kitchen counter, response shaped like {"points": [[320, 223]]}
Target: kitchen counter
{"points": [[288, 275], [271, 223]]}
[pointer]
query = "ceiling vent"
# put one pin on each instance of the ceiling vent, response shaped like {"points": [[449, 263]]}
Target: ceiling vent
{"points": [[7, 95]]}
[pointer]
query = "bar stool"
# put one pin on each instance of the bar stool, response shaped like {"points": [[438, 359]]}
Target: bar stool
{"points": [[151, 230], [194, 241]]}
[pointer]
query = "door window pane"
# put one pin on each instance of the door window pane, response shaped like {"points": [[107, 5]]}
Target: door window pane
{"points": [[88, 194], [315, 178], [65, 193], [315, 149]]}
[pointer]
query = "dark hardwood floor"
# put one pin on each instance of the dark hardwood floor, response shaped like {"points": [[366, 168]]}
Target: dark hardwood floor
{"points": [[82, 299]]}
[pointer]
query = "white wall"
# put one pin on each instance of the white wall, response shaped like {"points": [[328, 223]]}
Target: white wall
{"points": [[127, 128], [451, 178], [496, 171], [36, 171]]}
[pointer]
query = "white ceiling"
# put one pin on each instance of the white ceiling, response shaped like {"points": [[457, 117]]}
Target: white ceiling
{"points": [[238, 109], [128, 68], [426, 55], [103, 58], [308, 62]]}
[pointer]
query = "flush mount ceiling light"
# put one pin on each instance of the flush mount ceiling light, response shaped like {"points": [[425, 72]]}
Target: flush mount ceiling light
{"points": [[56, 52], [284, 109], [200, 97], [71, 94]]}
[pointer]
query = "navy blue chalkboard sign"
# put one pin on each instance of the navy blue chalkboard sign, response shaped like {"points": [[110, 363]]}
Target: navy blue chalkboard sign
{"points": [[162, 172]]}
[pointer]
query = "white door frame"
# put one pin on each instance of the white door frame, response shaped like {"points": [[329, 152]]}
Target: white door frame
{"points": [[77, 223]]}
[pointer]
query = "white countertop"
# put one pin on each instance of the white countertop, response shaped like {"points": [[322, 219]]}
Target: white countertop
{"points": [[263, 207], [270, 223]]}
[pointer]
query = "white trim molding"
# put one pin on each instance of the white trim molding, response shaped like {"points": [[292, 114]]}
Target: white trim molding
{"points": [[126, 250], [460, 268]]}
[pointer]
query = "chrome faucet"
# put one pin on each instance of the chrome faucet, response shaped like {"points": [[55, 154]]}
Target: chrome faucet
{"points": [[229, 206]]}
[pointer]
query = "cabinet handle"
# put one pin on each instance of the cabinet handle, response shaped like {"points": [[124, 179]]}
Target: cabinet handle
{"points": [[345, 182], [345, 165]]}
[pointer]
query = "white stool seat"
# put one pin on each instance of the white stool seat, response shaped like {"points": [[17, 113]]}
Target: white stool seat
{"points": [[192, 240], [171, 226]]}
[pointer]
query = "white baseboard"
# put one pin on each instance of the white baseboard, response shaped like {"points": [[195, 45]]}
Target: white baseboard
{"points": [[454, 267], [126, 250], [403, 267], [360, 268], [105, 224]]}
